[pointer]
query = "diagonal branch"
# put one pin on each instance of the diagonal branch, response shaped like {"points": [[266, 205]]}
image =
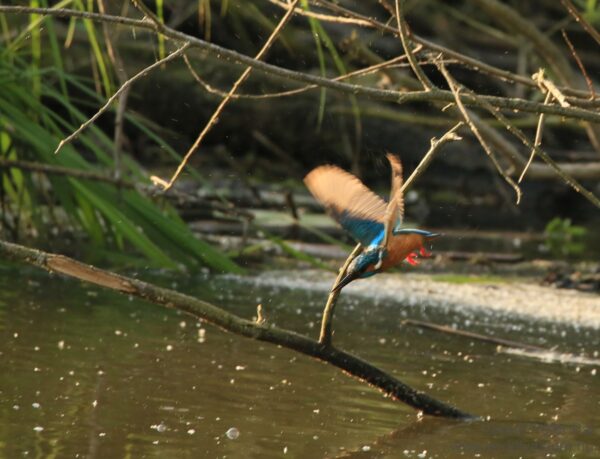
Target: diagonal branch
{"points": [[519, 134], [349, 363], [120, 91], [455, 88], [538, 138], [326, 334], [292, 92], [425, 81], [215, 116], [398, 97], [462, 58], [579, 62], [589, 28]]}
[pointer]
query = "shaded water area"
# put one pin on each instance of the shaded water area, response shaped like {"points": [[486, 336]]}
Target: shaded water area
{"points": [[89, 373]]}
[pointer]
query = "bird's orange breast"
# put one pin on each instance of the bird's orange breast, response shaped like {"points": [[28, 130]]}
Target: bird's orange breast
{"points": [[399, 247]]}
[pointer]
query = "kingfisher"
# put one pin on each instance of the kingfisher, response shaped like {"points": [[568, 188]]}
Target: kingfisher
{"points": [[377, 225]]}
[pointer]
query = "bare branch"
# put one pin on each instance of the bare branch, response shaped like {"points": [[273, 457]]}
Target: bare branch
{"points": [[399, 97], [455, 88], [562, 173], [538, 138], [120, 91], [324, 17], [215, 116], [425, 81], [465, 60], [292, 92], [119, 67], [219, 317], [325, 337], [573, 11], [588, 80]]}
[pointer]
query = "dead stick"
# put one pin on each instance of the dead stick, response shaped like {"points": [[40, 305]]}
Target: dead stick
{"points": [[473, 335], [219, 317], [215, 116]]}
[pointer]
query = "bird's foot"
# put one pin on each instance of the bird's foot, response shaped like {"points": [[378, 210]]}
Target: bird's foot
{"points": [[411, 259], [424, 253]]}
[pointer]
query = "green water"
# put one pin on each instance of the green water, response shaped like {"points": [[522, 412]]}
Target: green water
{"points": [[88, 373]]}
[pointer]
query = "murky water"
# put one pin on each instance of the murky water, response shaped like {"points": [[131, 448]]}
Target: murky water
{"points": [[88, 373]]}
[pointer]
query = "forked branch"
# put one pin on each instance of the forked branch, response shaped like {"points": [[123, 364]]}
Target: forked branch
{"points": [[326, 335]]}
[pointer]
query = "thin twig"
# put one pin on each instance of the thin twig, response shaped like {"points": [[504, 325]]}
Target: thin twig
{"points": [[324, 17], [119, 67], [464, 59], [399, 97], [518, 133], [326, 333], [588, 80], [455, 88], [213, 119], [219, 317], [425, 81], [292, 92], [140, 5], [123, 87], [473, 335], [325, 337], [435, 145], [538, 138], [573, 11], [508, 17]]}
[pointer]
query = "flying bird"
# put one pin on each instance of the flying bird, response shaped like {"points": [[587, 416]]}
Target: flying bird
{"points": [[377, 225]]}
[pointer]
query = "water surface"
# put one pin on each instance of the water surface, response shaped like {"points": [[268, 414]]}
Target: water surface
{"points": [[89, 373]]}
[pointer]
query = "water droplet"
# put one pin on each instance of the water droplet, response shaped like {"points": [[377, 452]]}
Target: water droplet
{"points": [[38, 429], [159, 427], [232, 433]]}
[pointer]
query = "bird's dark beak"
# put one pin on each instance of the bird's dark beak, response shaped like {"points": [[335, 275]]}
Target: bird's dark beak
{"points": [[433, 235], [349, 277]]}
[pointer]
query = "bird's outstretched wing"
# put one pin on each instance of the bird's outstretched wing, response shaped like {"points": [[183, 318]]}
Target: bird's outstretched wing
{"points": [[394, 212], [360, 211]]}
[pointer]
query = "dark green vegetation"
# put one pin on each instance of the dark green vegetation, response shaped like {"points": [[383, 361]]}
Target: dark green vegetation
{"points": [[57, 71]]}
